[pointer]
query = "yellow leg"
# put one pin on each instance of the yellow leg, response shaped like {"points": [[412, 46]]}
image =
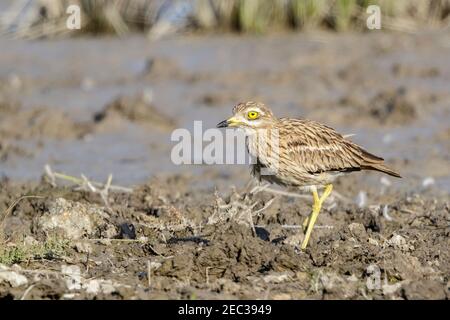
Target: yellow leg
{"points": [[327, 192], [311, 220], [316, 201]]}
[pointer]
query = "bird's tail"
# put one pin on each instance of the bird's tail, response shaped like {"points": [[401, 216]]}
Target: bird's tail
{"points": [[372, 162]]}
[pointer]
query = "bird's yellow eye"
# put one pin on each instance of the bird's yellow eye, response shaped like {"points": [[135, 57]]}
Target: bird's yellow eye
{"points": [[252, 115]]}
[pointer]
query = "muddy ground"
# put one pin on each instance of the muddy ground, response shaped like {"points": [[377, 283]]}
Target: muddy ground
{"points": [[166, 240], [101, 106]]}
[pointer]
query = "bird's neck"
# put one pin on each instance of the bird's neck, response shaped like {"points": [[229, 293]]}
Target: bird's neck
{"points": [[261, 127]]}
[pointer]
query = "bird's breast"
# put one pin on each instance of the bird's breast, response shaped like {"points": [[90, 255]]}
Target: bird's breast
{"points": [[263, 148]]}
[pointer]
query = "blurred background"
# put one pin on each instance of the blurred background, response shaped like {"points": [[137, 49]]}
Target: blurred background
{"points": [[105, 98]]}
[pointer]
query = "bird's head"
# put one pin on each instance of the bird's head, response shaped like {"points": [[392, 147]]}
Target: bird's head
{"points": [[249, 115]]}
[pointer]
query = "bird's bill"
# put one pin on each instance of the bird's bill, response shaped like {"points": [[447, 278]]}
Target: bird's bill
{"points": [[231, 122]]}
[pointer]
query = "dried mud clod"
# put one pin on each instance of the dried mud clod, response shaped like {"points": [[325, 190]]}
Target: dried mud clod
{"points": [[75, 220], [165, 67], [387, 107], [33, 125], [40, 122], [139, 109], [393, 107]]}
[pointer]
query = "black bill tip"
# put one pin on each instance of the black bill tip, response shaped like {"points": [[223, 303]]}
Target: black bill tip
{"points": [[223, 124]]}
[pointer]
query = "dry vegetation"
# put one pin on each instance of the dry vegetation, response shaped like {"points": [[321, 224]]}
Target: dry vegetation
{"points": [[254, 16]]}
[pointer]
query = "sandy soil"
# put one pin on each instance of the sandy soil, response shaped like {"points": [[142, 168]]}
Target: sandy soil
{"points": [[184, 232]]}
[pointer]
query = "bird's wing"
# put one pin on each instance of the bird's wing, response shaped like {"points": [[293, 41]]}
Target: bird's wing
{"points": [[316, 147]]}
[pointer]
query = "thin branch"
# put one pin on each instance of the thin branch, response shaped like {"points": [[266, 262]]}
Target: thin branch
{"points": [[27, 291], [84, 181]]}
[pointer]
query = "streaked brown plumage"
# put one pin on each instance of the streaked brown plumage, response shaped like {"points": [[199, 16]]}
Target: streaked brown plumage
{"points": [[311, 153], [308, 154]]}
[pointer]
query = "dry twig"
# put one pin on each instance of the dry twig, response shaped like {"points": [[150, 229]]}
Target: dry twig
{"points": [[84, 184]]}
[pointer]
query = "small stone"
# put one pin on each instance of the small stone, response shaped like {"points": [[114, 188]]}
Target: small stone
{"points": [[107, 287], [373, 242], [143, 239], [277, 277], [69, 296], [93, 286], [13, 278], [72, 276], [358, 231], [75, 220], [390, 289], [127, 231], [282, 296], [294, 240], [398, 241], [262, 233], [83, 247], [154, 265]]}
